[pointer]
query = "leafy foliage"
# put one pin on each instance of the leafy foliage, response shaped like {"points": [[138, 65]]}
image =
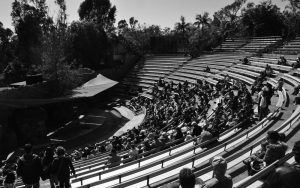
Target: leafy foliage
{"points": [[100, 12], [6, 46], [89, 44], [31, 21], [263, 20]]}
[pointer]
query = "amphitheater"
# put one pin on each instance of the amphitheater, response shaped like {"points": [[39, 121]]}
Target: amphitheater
{"points": [[236, 145]]}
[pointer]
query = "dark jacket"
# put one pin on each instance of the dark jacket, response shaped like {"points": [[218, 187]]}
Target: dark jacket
{"points": [[46, 164], [29, 168], [284, 177], [226, 182], [61, 167], [274, 152]]}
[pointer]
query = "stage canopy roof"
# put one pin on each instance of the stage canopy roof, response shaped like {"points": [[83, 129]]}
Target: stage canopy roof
{"points": [[89, 89]]}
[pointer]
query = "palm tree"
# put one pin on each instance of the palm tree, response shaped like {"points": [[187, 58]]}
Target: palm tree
{"points": [[202, 20], [132, 22], [182, 26]]}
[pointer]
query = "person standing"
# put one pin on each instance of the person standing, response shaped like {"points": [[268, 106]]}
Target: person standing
{"points": [[61, 167], [46, 164], [262, 105], [29, 168], [114, 160]]}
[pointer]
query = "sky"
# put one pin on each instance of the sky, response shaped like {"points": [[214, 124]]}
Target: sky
{"points": [[159, 12]]}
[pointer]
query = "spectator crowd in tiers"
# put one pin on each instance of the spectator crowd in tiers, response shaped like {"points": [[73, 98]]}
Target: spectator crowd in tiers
{"points": [[176, 113], [272, 149]]}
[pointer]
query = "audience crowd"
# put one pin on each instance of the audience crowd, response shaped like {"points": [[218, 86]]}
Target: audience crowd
{"points": [[179, 113], [176, 113]]}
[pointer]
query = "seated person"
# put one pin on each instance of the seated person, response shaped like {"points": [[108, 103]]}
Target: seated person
{"points": [[245, 61], [271, 151], [207, 69], [205, 136], [286, 176], [220, 179], [296, 64], [133, 152], [279, 84], [196, 129], [269, 71], [282, 61], [187, 179]]}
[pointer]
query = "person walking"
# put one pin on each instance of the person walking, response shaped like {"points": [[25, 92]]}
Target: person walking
{"points": [[29, 168], [46, 164], [61, 168]]}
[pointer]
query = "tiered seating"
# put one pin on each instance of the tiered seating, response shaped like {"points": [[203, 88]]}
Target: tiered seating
{"points": [[259, 43], [254, 181], [219, 66], [200, 161], [288, 128], [147, 164], [195, 69], [262, 62], [231, 44], [163, 167], [273, 58], [292, 47], [153, 68]]}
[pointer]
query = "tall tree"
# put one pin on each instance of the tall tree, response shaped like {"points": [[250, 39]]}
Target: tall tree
{"points": [[227, 19], [133, 22], [6, 49], [100, 12], [263, 19], [182, 26], [89, 44], [202, 20], [122, 26], [31, 21]]}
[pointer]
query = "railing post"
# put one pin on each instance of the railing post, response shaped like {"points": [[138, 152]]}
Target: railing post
{"points": [[251, 150], [120, 178], [162, 164], [170, 150], [99, 175], [193, 162], [139, 163], [194, 149], [148, 178], [225, 146], [247, 136], [81, 181]]}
